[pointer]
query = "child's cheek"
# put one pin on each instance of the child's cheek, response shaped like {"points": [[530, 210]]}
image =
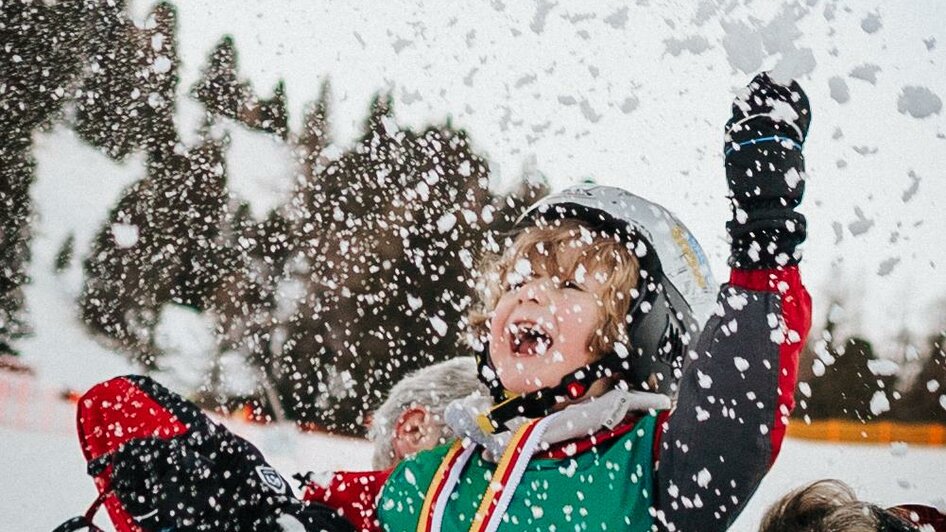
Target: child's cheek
{"points": [[498, 318]]}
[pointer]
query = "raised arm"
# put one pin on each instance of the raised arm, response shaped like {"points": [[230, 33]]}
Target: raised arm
{"points": [[737, 388]]}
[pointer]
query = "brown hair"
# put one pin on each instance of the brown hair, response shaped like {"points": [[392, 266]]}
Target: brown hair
{"points": [[541, 246], [825, 505]]}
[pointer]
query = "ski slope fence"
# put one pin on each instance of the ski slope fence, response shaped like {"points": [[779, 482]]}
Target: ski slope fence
{"points": [[26, 404], [843, 430]]}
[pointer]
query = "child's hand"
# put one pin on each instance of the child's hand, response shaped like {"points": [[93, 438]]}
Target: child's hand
{"points": [[765, 172], [768, 108]]}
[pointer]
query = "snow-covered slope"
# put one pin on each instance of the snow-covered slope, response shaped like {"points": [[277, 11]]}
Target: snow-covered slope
{"points": [[42, 476], [44, 482]]}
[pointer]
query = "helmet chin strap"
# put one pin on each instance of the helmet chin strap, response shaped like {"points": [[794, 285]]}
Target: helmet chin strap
{"points": [[542, 402]]}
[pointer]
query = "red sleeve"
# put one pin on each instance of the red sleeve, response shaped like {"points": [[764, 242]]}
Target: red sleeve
{"points": [[353, 494], [796, 315], [659, 430]]}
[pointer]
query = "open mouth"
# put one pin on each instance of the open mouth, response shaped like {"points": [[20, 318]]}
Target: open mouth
{"points": [[527, 338]]}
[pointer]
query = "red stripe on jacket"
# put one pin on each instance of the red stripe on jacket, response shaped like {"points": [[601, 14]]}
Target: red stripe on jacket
{"points": [[796, 315]]}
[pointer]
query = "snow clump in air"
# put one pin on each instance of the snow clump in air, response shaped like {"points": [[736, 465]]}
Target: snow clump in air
{"points": [[861, 225], [883, 368], [125, 235], [439, 325], [866, 72], [887, 266], [919, 102], [839, 91], [871, 23], [695, 44], [879, 403], [749, 42], [446, 223]]}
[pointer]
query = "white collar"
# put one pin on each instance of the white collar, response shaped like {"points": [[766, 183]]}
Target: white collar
{"points": [[574, 421]]}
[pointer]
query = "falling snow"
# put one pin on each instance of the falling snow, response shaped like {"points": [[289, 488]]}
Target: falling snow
{"points": [[293, 225]]}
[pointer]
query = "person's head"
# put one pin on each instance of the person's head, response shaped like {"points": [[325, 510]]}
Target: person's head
{"points": [[556, 301], [597, 288], [411, 418], [830, 505]]}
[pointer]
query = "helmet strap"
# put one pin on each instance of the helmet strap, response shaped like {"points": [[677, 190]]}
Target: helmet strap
{"points": [[541, 403]]}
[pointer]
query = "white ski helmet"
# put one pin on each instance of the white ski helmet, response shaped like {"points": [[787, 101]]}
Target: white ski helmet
{"points": [[675, 294]]}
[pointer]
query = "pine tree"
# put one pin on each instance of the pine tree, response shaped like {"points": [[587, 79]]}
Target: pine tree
{"points": [[16, 176], [41, 58], [64, 255], [128, 93], [270, 115], [224, 94], [173, 217], [315, 136], [193, 206], [42, 55], [326, 338], [847, 386], [309, 147], [219, 89], [245, 299], [925, 399]]}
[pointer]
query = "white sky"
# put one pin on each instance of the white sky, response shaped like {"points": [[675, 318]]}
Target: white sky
{"points": [[510, 76]]}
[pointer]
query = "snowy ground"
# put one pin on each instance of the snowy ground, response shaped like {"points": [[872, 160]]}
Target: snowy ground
{"points": [[43, 481], [42, 473]]}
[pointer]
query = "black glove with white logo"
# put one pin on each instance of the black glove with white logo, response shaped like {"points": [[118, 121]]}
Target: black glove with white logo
{"points": [[220, 483], [765, 170], [212, 480]]}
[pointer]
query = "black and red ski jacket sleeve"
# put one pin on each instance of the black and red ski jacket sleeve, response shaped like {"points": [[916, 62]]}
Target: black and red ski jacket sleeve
{"points": [[734, 401]]}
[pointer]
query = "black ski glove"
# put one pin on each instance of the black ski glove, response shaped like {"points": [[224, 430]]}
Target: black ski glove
{"points": [[215, 482], [765, 171], [166, 485]]}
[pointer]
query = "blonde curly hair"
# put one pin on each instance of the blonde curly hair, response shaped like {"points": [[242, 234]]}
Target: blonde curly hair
{"points": [[542, 246]]}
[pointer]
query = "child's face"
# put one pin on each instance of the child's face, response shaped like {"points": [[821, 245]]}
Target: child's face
{"points": [[541, 327]]}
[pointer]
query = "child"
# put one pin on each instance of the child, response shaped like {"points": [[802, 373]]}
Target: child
{"points": [[588, 319]]}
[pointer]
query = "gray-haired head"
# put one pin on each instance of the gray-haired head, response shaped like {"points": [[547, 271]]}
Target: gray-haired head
{"points": [[432, 389]]}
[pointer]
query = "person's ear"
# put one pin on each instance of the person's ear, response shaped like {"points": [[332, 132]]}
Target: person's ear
{"points": [[410, 429]]}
